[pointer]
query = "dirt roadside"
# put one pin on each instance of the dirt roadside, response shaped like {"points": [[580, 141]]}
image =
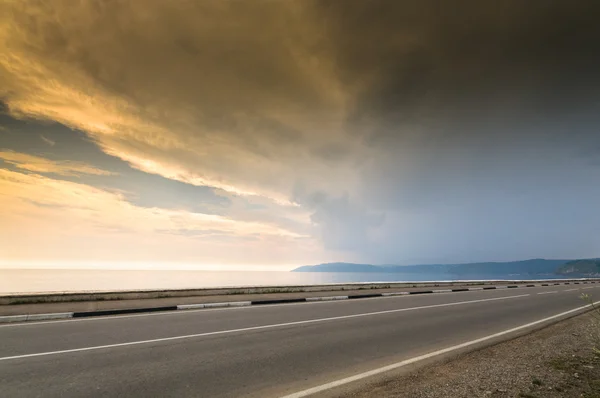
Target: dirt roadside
{"points": [[554, 362]]}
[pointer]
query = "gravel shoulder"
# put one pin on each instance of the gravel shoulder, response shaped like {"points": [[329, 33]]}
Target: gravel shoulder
{"points": [[557, 361]]}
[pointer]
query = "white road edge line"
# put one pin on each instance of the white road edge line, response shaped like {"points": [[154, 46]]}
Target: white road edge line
{"points": [[248, 329], [32, 322], [189, 311], [168, 313], [374, 372]]}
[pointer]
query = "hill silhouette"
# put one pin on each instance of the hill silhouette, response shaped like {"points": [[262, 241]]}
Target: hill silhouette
{"points": [[526, 267]]}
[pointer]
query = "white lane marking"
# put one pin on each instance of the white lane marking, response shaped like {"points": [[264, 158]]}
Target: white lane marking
{"points": [[174, 312], [591, 287], [400, 364], [272, 326], [569, 290], [188, 311], [554, 291], [251, 307]]}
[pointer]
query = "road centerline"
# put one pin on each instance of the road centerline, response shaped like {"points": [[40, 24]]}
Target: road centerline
{"points": [[254, 328]]}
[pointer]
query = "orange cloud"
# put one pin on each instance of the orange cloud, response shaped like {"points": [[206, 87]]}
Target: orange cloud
{"points": [[43, 218], [109, 209], [255, 126], [39, 164]]}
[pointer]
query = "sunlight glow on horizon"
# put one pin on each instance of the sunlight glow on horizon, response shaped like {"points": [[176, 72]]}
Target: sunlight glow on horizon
{"points": [[147, 266]]}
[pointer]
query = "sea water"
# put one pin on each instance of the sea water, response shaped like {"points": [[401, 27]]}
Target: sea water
{"points": [[69, 280]]}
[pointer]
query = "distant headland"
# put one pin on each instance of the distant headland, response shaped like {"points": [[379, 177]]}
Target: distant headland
{"points": [[538, 266]]}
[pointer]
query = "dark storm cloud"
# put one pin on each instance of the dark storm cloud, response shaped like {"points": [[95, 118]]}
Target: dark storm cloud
{"points": [[470, 86], [447, 131], [486, 120], [437, 62]]}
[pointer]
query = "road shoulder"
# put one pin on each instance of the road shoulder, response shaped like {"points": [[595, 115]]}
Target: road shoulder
{"points": [[557, 361]]}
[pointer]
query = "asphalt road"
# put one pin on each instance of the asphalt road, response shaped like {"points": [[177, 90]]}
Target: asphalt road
{"points": [[256, 351]]}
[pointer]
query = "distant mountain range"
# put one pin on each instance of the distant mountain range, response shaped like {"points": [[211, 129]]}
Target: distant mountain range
{"points": [[589, 267], [538, 266]]}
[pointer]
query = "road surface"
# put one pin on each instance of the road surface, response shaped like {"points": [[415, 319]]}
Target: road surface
{"points": [[263, 351]]}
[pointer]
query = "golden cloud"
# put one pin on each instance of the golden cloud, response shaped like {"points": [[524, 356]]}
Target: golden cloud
{"points": [[60, 219], [245, 106], [39, 164]]}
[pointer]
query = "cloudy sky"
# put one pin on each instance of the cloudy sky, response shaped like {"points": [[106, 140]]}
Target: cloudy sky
{"points": [[267, 134]]}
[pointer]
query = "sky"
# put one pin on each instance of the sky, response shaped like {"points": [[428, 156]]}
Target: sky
{"points": [[269, 134]]}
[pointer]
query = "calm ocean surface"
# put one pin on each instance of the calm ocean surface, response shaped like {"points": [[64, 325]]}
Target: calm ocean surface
{"points": [[35, 280]]}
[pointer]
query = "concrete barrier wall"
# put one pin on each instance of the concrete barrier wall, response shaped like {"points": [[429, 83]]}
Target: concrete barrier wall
{"points": [[12, 299]]}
